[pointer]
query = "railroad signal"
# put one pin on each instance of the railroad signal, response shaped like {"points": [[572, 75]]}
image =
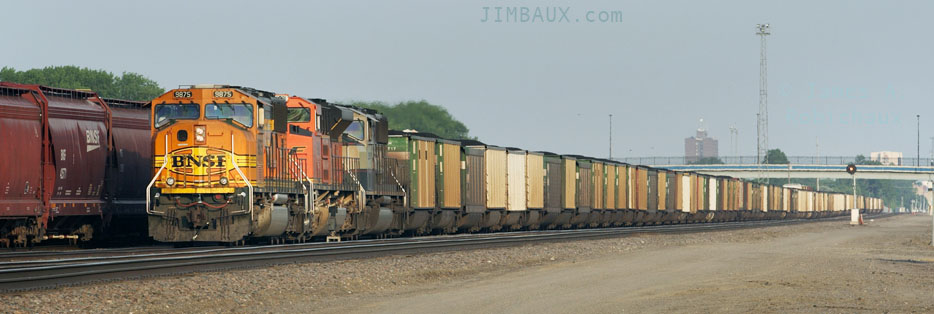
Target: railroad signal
{"points": [[851, 169]]}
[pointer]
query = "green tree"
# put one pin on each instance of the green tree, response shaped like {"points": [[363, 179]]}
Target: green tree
{"points": [[137, 87], [707, 161], [130, 86], [421, 116], [892, 192], [775, 156], [861, 160]]}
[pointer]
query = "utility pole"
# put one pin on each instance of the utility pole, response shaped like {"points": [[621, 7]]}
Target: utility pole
{"points": [[763, 118], [931, 162], [611, 136], [854, 211], [759, 155], [734, 136], [931, 189], [918, 163], [854, 215], [854, 190]]}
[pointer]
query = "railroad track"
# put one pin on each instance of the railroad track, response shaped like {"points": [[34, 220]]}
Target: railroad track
{"points": [[46, 253], [50, 273]]}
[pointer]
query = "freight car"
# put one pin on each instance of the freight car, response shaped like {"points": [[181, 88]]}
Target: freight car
{"points": [[74, 164], [234, 163]]}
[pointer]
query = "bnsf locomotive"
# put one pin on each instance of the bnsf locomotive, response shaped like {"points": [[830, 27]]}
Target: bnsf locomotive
{"points": [[235, 163]]}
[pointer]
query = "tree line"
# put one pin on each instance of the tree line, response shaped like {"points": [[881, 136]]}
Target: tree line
{"points": [[129, 85], [419, 115]]}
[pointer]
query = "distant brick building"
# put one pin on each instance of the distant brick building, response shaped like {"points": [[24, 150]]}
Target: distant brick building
{"points": [[700, 146]]}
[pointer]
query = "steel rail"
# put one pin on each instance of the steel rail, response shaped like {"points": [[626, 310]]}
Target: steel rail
{"points": [[27, 258], [30, 258], [54, 273], [45, 252]]}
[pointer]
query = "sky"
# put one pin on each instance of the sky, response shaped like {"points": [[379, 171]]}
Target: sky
{"points": [[849, 75]]}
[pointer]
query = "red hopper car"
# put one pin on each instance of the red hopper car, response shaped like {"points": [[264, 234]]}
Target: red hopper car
{"points": [[71, 163]]}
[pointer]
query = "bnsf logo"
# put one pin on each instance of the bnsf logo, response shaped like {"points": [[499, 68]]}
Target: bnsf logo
{"points": [[92, 140], [92, 136], [187, 161]]}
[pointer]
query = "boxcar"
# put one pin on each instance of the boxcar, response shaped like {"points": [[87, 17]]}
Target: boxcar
{"points": [[584, 187], [449, 174], [598, 215], [473, 184], [552, 190], [623, 198], [494, 172], [516, 187], [419, 152], [448, 189], [535, 189]]}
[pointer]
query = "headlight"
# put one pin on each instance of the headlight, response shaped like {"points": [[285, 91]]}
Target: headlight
{"points": [[200, 132], [170, 181], [223, 181]]}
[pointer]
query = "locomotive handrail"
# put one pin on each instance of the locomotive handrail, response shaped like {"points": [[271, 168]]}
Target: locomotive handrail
{"points": [[362, 202], [405, 195], [165, 158], [311, 185], [242, 176], [302, 171]]}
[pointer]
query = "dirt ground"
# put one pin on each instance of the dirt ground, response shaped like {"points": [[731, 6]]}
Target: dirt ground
{"points": [[817, 267], [887, 266]]}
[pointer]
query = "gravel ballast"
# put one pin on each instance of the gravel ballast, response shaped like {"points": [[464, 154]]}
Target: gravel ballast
{"points": [[305, 286]]}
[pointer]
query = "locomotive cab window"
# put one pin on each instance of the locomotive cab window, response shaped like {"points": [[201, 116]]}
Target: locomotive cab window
{"points": [[355, 131], [169, 113], [299, 115], [239, 113]]}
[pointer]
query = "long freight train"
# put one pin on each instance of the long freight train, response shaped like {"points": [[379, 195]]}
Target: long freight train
{"points": [[234, 163], [74, 164]]}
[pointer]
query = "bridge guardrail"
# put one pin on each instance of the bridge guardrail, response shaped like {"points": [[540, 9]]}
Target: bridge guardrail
{"points": [[752, 160]]}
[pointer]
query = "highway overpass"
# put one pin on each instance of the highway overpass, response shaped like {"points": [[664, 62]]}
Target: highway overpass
{"points": [[816, 167]]}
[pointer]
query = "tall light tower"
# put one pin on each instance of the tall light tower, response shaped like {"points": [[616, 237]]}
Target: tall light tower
{"points": [[931, 162], [817, 162], [763, 118], [611, 136], [734, 134]]}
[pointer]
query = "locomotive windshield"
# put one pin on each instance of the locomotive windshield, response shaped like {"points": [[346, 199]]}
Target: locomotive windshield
{"points": [[355, 131], [169, 113], [299, 115], [241, 113]]}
